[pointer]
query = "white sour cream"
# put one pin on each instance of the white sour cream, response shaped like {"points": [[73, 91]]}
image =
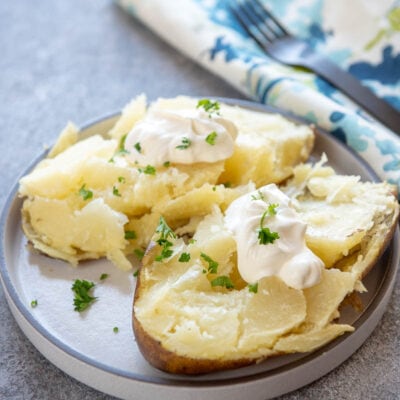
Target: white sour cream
{"points": [[288, 257], [179, 136]]}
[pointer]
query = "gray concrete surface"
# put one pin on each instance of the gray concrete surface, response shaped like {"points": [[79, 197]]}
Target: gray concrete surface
{"points": [[76, 60]]}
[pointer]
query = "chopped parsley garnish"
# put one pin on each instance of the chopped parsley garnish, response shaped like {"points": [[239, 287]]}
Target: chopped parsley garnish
{"points": [[184, 257], [265, 236], [185, 144], [165, 232], [136, 273], [149, 170], [258, 196], [209, 106], [272, 209], [253, 288], [139, 253], [129, 235], [212, 265], [82, 297], [138, 147], [34, 303], [121, 149], [210, 139], [85, 193], [223, 281], [167, 164], [116, 192], [121, 179], [227, 184], [103, 277], [115, 329], [166, 250]]}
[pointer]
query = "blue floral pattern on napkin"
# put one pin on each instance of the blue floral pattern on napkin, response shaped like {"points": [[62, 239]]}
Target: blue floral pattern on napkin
{"points": [[206, 31]]}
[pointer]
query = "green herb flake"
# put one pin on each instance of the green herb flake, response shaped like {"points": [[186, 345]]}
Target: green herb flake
{"points": [[167, 164], [122, 152], [82, 297], [185, 144], [253, 288], [85, 193], [116, 192], [227, 184], [149, 170], [34, 303], [115, 329], [139, 253], [103, 277], [210, 139], [121, 179], [138, 147], [166, 250], [265, 236], [136, 273], [258, 196], [223, 281], [212, 265], [121, 148], [184, 257], [164, 230], [209, 106], [272, 209], [130, 235]]}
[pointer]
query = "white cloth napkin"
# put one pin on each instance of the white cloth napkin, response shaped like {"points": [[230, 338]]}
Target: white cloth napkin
{"points": [[362, 36]]}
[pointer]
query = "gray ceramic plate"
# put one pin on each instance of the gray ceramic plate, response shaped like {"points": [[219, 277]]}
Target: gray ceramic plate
{"points": [[86, 347]]}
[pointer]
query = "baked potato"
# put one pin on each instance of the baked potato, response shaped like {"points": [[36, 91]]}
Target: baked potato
{"points": [[184, 323], [89, 199]]}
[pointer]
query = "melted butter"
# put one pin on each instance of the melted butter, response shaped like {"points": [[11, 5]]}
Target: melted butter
{"points": [[288, 257], [180, 137]]}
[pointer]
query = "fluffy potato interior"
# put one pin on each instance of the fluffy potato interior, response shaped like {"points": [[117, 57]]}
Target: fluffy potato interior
{"points": [[342, 213], [178, 305], [96, 169], [203, 319]]}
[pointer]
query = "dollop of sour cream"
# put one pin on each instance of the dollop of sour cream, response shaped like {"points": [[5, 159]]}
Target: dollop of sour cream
{"points": [[180, 136], [288, 256]]}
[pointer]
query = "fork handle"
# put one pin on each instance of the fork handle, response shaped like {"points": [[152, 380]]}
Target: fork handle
{"points": [[343, 80]]}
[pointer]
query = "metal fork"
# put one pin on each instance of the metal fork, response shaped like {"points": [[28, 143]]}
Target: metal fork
{"points": [[275, 40]]}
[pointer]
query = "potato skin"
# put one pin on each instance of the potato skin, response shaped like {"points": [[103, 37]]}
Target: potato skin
{"points": [[383, 244], [165, 360], [161, 358], [158, 356]]}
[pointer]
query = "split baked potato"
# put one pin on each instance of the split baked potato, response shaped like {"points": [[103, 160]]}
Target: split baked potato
{"points": [[185, 323], [88, 199], [193, 312]]}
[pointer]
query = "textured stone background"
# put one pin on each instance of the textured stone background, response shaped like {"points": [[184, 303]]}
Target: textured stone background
{"points": [[76, 60]]}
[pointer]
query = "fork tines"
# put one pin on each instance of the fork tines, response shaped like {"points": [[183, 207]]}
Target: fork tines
{"points": [[258, 21]]}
